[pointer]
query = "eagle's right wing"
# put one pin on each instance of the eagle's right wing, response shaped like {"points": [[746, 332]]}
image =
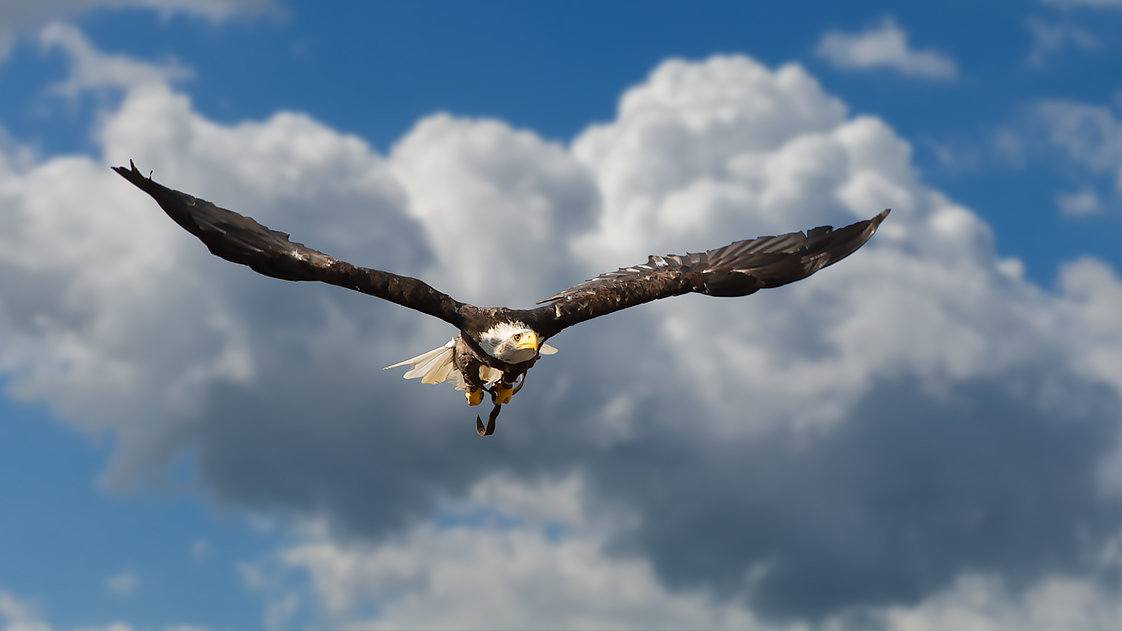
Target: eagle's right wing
{"points": [[737, 269], [240, 239]]}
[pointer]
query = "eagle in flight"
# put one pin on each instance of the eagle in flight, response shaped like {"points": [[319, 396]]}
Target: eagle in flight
{"points": [[497, 345]]}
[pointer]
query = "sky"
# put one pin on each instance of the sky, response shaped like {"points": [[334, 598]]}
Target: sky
{"points": [[925, 436]]}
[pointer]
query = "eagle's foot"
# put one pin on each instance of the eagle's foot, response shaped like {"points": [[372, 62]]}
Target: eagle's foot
{"points": [[503, 393], [474, 395]]}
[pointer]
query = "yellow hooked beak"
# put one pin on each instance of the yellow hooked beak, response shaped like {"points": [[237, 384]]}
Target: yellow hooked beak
{"points": [[529, 341]]}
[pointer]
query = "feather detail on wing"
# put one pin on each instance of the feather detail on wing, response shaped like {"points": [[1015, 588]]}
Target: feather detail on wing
{"points": [[240, 239], [737, 269]]}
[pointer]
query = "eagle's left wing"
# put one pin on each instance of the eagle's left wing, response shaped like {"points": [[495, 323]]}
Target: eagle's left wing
{"points": [[240, 239], [737, 269]]}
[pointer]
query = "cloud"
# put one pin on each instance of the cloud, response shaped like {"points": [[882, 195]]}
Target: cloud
{"points": [[20, 615], [91, 69], [123, 583], [1080, 141], [1089, 135], [507, 558], [861, 441], [1102, 4], [28, 16], [529, 195], [1084, 202], [1049, 39], [1086, 139], [885, 46], [200, 549], [984, 603]]}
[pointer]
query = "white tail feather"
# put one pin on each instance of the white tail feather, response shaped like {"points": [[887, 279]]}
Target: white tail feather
{"points": [[442, 375], [413, 361], [434, 366], [438, 366], [426, 370]]}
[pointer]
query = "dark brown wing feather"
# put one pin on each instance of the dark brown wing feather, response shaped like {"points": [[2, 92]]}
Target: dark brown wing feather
{"points": [[738, 269], [240, 239]]}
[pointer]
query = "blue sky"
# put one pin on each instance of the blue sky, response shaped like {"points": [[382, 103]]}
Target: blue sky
{"points": [[571, 63], [930, 431]]}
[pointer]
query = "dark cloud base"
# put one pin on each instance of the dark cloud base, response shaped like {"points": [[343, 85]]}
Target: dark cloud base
{"points": [[918, 485], [913, 489]]}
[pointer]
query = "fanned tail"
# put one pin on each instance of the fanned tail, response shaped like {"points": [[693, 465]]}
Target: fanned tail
{"points": [[435, 366], [439, 365]]}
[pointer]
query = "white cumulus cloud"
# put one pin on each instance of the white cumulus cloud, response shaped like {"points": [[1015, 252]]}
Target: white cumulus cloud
{"points": [[884, 46], [510, 188], [873, 429]]}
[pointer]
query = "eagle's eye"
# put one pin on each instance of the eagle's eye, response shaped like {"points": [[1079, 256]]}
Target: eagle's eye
{"points": [[517, 337]]}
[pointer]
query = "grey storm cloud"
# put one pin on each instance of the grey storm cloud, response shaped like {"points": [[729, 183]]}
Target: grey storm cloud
{"points": [[861, 439], [913, 489]]}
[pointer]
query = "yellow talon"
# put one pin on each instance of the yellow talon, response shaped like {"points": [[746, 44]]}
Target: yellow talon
{"points": [[474, 396], [503, 393]]}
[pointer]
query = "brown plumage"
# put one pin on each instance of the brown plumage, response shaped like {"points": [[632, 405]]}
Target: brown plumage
{"points": [[497, 345]]}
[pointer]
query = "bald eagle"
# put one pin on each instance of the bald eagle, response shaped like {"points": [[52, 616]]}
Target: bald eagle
{"points": [[497, 345]]}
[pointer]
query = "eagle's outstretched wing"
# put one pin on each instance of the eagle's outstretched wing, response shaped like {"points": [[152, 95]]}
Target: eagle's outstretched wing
{"points": [[242, 240], [738, 269]]}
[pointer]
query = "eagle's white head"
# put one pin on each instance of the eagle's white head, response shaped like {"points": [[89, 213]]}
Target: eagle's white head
{"points": [[513, 343]]}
